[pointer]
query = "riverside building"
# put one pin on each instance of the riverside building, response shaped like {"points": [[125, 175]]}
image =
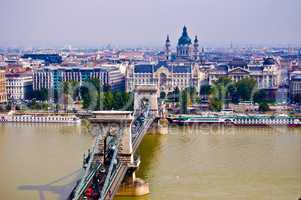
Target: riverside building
{"points": [[295, 87], [3, 94], [267, 73], [18, 86], [165, 75], [53, 76]]}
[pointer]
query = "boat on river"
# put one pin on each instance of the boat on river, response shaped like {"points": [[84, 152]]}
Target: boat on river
{"points": [[238, 120], [39, 118]]}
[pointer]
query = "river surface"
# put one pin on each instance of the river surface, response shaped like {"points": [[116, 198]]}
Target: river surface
{"points": [[209, 162]]}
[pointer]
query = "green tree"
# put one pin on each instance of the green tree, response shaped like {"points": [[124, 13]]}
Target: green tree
{"points": [[119, 100], [264, 107], [90, 94], [86, 97], [263, 95], [205, 89], [220, 88], [245, 88], [38, 106], [162, 95], [219, 92], [192, 94], [104, 97], [108, 101], [184, 102], [128, 101], [174, 96], [96, 84], [223, 81], [106, 88], [41, 95], [297, 98], [177, 90], [67, 89], [215, 104]]}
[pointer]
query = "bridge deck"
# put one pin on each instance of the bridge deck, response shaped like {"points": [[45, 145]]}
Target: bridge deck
{"points": [[102, 182]]}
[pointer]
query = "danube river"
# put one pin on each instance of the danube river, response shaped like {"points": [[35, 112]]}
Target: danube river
{"points": [[209, 162]]}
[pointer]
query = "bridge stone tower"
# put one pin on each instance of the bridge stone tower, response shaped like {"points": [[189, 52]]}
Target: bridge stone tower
{"points": [[147, 93], [109, 123], [117, 139]]}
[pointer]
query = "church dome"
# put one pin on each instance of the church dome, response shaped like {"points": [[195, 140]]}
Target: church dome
{"points": [[184, 39]]}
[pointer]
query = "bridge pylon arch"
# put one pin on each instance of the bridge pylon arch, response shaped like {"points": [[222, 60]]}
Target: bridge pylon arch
{"points": [[147, 93]]}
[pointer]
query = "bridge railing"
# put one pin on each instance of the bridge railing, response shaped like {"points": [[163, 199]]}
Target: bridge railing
{"points": [[139, 120], [90, 171], [113, 165], [93, 168], [141, 125], [113, 168]]}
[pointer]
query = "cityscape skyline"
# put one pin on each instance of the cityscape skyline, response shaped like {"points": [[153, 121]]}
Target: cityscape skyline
{"points": [[78, 23], [150, 99]]}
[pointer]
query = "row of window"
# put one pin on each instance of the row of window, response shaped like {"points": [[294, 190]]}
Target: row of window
{"points": [[29, 118], [184, 75], [169, 82], [263, 121], [2, 98]]}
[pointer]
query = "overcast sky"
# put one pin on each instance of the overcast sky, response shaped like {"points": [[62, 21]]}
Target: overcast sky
{"points": [[147, 22]]}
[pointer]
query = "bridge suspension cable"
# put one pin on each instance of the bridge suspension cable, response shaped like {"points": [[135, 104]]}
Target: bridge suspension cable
{"points": [[114, 162], [108, 175], [89, 172]]}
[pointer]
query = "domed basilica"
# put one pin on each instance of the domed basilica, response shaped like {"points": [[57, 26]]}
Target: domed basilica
{"points": [[186, 51], [174, 70]]}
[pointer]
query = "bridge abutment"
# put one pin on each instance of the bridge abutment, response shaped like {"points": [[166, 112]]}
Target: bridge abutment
{"points": [[148, 93], [133, 186], [160, 127], [116, 144], [117, 125]]}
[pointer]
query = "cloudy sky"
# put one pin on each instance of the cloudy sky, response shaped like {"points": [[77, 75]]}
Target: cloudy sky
{"points": [[147, 22]]}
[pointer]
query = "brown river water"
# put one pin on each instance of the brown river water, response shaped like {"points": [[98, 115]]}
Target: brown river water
{"points": [[227, 163]]}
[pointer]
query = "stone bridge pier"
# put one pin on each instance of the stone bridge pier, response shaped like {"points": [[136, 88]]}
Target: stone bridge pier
{"points": [[149, 93], [109, 124], [146, 93]]}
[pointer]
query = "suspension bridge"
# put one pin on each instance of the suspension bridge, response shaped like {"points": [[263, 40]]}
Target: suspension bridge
{"points": [[112, 160]]}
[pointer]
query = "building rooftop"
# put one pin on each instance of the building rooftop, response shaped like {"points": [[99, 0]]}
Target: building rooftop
{"points": [[269, 61], [144, 68], [80, 67], [256, 68], [296, 77], [148, 68], [238, 62]]}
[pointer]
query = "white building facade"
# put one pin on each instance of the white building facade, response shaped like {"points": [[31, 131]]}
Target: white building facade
{"points": [[18, 86], [53, 77], [166, 77], [267, 74]]}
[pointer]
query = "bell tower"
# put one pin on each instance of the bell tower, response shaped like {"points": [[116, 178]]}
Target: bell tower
{"points": [[196, 49], [168, 48]]}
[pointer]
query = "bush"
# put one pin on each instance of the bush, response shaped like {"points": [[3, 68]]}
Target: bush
{"points": [[264, 107]]}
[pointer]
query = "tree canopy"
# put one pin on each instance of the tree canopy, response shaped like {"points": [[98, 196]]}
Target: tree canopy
{"points": [[264, 107], [245, 88]]}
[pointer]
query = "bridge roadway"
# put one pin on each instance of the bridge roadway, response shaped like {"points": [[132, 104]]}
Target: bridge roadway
{"points": [[101, 181]]}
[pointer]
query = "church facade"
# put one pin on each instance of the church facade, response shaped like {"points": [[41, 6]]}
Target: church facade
{"points": [[178, 70]]}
